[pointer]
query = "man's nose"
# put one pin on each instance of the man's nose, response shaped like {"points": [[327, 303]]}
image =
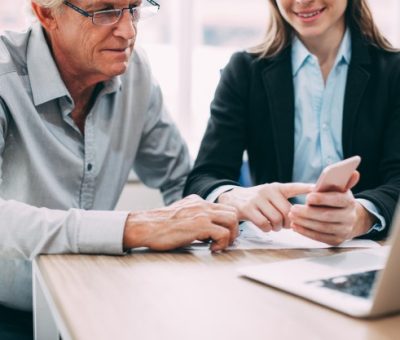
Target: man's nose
{"points": [[126, 27]]}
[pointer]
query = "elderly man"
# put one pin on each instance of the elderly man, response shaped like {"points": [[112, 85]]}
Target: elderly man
{"points": [[78, 109]]}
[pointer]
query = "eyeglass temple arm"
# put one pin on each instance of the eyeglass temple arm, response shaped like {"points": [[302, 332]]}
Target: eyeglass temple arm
{"points": [[154, 3], [80, 10]]}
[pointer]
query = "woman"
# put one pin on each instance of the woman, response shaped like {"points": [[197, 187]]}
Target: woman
{"points": [[323, 86]]}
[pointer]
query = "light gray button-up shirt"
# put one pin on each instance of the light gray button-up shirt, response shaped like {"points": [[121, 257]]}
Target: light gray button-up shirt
{"points": [[56, 185]]}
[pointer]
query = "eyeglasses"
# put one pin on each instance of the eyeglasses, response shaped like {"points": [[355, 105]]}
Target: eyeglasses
{"points": [[112, 16]]}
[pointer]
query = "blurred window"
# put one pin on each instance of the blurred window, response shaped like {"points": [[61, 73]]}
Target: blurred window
{"points": [[190, 41]]}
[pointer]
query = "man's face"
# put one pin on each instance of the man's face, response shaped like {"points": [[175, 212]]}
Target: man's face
{"points": [[88, 50]]}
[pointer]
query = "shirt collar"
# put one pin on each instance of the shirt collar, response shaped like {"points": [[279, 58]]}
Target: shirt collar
{"points": [[112, 85], [344, 53], [45, 79], [300, 54]]}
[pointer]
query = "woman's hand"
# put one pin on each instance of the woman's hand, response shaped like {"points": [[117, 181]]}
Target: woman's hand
{"points": [[332, 217], [266, 205]]}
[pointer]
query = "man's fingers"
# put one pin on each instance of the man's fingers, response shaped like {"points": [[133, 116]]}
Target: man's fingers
{"points": [[226, 219], [220, 236], [294, 189]]}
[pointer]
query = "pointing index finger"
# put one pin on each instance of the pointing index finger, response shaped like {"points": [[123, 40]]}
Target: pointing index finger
{"points": [[293, 189]]}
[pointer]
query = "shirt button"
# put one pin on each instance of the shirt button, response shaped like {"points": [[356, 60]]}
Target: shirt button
{"points": [[325, 126], [89, 167]]}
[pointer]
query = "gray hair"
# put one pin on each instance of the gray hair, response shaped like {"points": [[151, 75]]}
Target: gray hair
{"points": [[49, 3]]}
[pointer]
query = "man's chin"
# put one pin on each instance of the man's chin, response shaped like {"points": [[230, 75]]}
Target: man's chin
{"points": [[118, 69]]}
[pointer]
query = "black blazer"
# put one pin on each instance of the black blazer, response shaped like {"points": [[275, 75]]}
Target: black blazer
{"points": [[253, 110]]}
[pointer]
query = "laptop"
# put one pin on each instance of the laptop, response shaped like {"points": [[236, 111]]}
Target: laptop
{"points": [[360, 283]]}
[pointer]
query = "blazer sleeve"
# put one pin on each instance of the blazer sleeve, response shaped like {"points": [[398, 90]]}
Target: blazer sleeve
{"points": [[220, 157], [386, 195]]}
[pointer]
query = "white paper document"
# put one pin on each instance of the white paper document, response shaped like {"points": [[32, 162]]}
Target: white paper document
{"points": [[252, 237]]}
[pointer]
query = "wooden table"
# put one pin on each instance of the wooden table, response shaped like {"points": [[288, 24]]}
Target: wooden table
{"points": [[182, 296]]}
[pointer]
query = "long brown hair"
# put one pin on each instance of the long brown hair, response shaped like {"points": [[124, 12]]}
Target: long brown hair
{"points": [[358, 17]]}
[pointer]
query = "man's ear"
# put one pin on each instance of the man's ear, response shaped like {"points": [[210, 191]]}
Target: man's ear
{"points": [[45, 16]]}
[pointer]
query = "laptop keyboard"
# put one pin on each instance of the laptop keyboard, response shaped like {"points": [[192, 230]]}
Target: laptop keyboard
{"points": [[359, 284]]}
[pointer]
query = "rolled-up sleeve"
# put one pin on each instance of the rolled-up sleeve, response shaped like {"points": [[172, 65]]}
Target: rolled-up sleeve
{"points": [[26, 231]]}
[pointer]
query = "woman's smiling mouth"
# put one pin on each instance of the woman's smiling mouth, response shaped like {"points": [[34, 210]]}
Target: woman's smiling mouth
{"points": [[310, 15]]}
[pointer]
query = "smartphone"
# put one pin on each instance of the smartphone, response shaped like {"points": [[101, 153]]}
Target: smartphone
{"points": [[336, 176]]}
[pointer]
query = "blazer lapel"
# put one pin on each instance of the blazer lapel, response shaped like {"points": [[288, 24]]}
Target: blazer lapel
{"points": [[357, 81], [278, 83]]}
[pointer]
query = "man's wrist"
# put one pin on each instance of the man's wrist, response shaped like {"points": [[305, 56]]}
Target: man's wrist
{"points": [[135, 232]]}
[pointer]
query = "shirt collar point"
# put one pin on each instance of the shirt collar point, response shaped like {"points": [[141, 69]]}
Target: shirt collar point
{"points": [[113, 85], [299, 55], [46, 86]]}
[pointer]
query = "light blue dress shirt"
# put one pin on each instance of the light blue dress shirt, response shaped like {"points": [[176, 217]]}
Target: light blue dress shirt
{"points": [[319, 115], [318, 110]]}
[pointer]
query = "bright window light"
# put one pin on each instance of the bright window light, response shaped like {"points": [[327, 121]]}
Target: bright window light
{"points": [[190, 41]]}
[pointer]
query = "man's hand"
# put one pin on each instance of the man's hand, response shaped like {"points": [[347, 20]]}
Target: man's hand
{"points": [[331, 217], [266, 205], [180, 224]]}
